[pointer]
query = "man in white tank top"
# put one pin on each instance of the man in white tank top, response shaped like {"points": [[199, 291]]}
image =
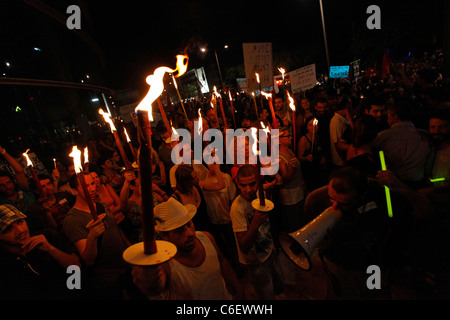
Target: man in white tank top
{"points": [[198, 271]]}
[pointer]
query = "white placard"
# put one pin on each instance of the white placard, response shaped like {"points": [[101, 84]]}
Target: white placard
{"points": [[303, 78]]}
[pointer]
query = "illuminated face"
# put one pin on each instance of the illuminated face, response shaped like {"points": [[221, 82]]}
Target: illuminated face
{"points": [[321, 108], [264, 114], [47, 186], [96, 178], [305, 104], [91, 187], [310, 126], [15, 234], [279, 104], [248, 187], [183, 237], [7, 186], [108, 164], [285, 138], [246, 123], [439, 129], [211, 115], [377, 112]]}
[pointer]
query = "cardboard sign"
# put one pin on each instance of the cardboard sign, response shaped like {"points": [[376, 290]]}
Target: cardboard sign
{"points": [[258, 59], [303, 79]]}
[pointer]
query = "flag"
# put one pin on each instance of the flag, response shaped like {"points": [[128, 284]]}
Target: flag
{"points": [[385, 64]]}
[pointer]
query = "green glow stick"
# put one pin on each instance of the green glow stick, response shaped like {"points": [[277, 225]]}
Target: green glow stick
{"points": [[386, 189], [437, 179]]}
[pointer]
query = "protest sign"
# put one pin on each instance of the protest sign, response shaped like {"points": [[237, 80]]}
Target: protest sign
{"points": [[258, 59], [355, 70], [303, 78], [339, 71]]}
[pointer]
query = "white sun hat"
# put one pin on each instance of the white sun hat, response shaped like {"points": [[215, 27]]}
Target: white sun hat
{"points": [[172, 214]]}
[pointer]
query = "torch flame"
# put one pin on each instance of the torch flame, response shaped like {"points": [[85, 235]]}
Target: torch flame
{"points": [[108, 119], [29, 163], [216, 93], [255, 141], [157, 86], [267, 95], [200, 122], [126, 135], [174, 82], [257, 76], [265, 129], [315, 121], [229, 94], [282, 72], [291, 103], [175, 134], [76, 155], [86, 155]]}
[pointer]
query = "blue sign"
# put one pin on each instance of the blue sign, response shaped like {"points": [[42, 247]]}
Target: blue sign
{"points": [[339, 71]]}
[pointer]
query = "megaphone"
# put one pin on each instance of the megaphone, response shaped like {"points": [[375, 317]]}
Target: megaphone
{"points": [[299, 245]]}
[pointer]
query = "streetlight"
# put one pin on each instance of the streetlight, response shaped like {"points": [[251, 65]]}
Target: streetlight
{"points": [[203, 49], [324, 35]]}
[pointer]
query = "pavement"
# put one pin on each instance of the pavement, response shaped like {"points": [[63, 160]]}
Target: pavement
{"points": [[402, 282]]}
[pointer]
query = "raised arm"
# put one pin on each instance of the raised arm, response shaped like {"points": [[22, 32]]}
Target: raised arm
{"points": [[19, 170]]}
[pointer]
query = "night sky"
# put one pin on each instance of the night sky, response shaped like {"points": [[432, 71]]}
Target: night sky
{"points": [[137, 37]]}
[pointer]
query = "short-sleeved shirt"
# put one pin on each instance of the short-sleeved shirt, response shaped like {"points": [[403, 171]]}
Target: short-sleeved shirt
{"points": [[241, 215], [109, 264], [338, 125], [406, 150]]}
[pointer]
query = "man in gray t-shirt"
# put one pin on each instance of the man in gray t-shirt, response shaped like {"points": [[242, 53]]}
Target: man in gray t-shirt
{"points": [[99, 243]]}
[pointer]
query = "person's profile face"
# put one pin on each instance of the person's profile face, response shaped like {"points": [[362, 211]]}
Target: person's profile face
{"points": [[341, 201]]}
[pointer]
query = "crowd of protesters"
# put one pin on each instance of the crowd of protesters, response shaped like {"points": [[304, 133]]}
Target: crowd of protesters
{"points": [[332, 160]]}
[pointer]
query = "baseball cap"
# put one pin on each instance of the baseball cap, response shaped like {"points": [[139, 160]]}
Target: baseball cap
{"points": [[172, 214], [8, 215]]}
